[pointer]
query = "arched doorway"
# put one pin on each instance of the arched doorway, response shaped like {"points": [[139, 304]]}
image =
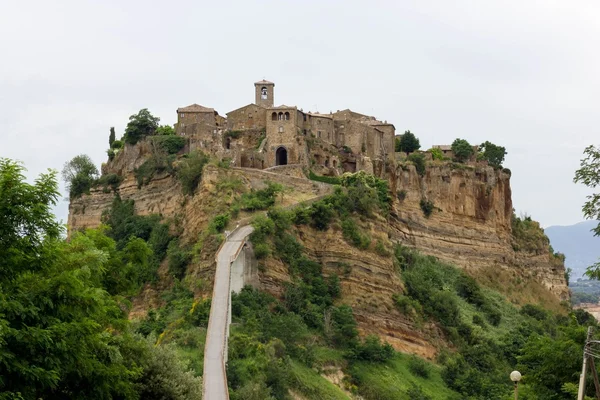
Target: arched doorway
{"points": [[281, 156]]}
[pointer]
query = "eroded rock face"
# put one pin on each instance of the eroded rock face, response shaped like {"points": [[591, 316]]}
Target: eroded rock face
{"points": [[470, 227]]}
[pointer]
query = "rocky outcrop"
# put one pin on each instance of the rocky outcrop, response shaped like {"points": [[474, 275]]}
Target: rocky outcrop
{"points": [[470, 226]]}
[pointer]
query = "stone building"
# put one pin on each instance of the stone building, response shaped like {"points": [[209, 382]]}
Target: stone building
{"points": [[262, 135]]}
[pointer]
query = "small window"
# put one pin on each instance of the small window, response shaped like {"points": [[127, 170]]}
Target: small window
{"points": [[287, 116], [181, 115], [328, 136], [305, 117], [263, 93], [281, 129], [319, 134], [305, 132], [274, 116]]}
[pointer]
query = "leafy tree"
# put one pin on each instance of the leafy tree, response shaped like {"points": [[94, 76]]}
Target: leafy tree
{"points": [[462, 150], [419, 161], [140, 125], [493, 154], [165, 130], [111, 137], [54, 318], [408, 142], [589, 175], [79, 175]]}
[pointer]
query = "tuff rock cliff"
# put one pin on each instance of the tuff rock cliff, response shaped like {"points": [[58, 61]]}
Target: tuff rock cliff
{"points": [[470, 226]]}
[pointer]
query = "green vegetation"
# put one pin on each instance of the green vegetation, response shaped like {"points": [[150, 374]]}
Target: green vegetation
{"points": [[419, 161], [427, 207], [165, 130], [528, 235], [260, 199], [490, 335], [233, 134], [584, 291], [79, 175], [189, 171], [169, 144], [407, 143], [462, 150], [436, 153], [589, 175], [332, 180], [492, 153], [158, 163], [140, 125], [63, 318], [111, 137], [109, 180]]}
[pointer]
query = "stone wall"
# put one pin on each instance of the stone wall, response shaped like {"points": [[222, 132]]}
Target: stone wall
{"points": [[247, 117]]}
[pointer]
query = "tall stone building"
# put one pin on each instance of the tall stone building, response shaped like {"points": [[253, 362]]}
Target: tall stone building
{"points": [[262, 135]]}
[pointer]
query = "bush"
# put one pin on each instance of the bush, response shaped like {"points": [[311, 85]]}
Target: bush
{"points": [[156, 164], [352, 234], [419, 367], [477, 320], [189, 171], [468, 289], [419, 161], [178, 259], [219, 223], [415, 392], [372, 349], [427, 207], [321, 215], [111, 154], [117, 144], [436, 153], [112, 180], [261, 199], [169, 144], [165, 130]]}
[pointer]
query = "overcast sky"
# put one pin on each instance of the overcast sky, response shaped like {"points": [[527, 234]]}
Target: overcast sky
{"points": [[522, 74]]}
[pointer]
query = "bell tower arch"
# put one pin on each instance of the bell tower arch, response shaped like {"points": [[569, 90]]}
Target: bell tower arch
{"points": [[263, 93]]}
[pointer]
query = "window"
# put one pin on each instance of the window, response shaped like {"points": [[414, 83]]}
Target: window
{"points": [[328, 136], [263, 93], [287, 116], [249, 115], [319, 134], [305, 117], [280, 116], [181, 115], [274, 116], [305, 132], [281, 129]]}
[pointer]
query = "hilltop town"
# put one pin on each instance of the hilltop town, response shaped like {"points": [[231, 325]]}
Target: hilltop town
{"points": [[263, 135]]}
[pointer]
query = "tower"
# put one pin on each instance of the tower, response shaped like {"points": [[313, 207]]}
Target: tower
{"points": [[263, 92]]}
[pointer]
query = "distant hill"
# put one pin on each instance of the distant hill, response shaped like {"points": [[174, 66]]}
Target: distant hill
{"points": [[578, 243]]}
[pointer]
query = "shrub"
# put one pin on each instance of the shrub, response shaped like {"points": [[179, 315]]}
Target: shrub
{"points": [[261, 199], [178, 259], [415, 392], [477, 320], [419, 161], [157, 163], [233, 134], [353, 235], [189, 171], [436, 153], [427, 207], [112, 180], [468, 289], [372, 349], [380, 249], [165, 130], [117, 144], [419, 367], [219, 223], [111, 154], [321, 215], [534, 311], [169, 144]]}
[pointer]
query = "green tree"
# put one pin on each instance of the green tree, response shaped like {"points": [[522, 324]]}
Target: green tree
{"points": [[79, 175], [111, 137], [58, 329], [492, 153], [589, 175], [462, 150], [140, 125], [165, 130], [408, 143]]}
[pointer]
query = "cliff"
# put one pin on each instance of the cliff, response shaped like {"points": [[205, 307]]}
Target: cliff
{"points": [[470, 226]]}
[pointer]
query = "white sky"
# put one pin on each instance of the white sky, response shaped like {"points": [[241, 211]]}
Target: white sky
{"points": [[522, 74]]}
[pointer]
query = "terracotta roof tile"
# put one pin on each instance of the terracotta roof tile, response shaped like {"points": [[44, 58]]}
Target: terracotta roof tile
{"points": [[196, 108]]}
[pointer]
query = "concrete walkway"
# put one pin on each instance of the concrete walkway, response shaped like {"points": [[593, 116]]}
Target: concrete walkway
{"points": [[214, 386]]}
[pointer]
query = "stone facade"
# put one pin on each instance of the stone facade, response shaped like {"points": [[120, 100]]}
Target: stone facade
{"points": [[332, 143]]}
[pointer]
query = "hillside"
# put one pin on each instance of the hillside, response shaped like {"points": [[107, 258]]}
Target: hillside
{"points": [[577, 243]]}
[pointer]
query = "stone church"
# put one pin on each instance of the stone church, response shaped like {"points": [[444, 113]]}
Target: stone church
{"points": [[262, 135]]}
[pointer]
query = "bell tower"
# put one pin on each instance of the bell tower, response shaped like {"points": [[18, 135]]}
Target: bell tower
{"points": [[263, 93]]}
